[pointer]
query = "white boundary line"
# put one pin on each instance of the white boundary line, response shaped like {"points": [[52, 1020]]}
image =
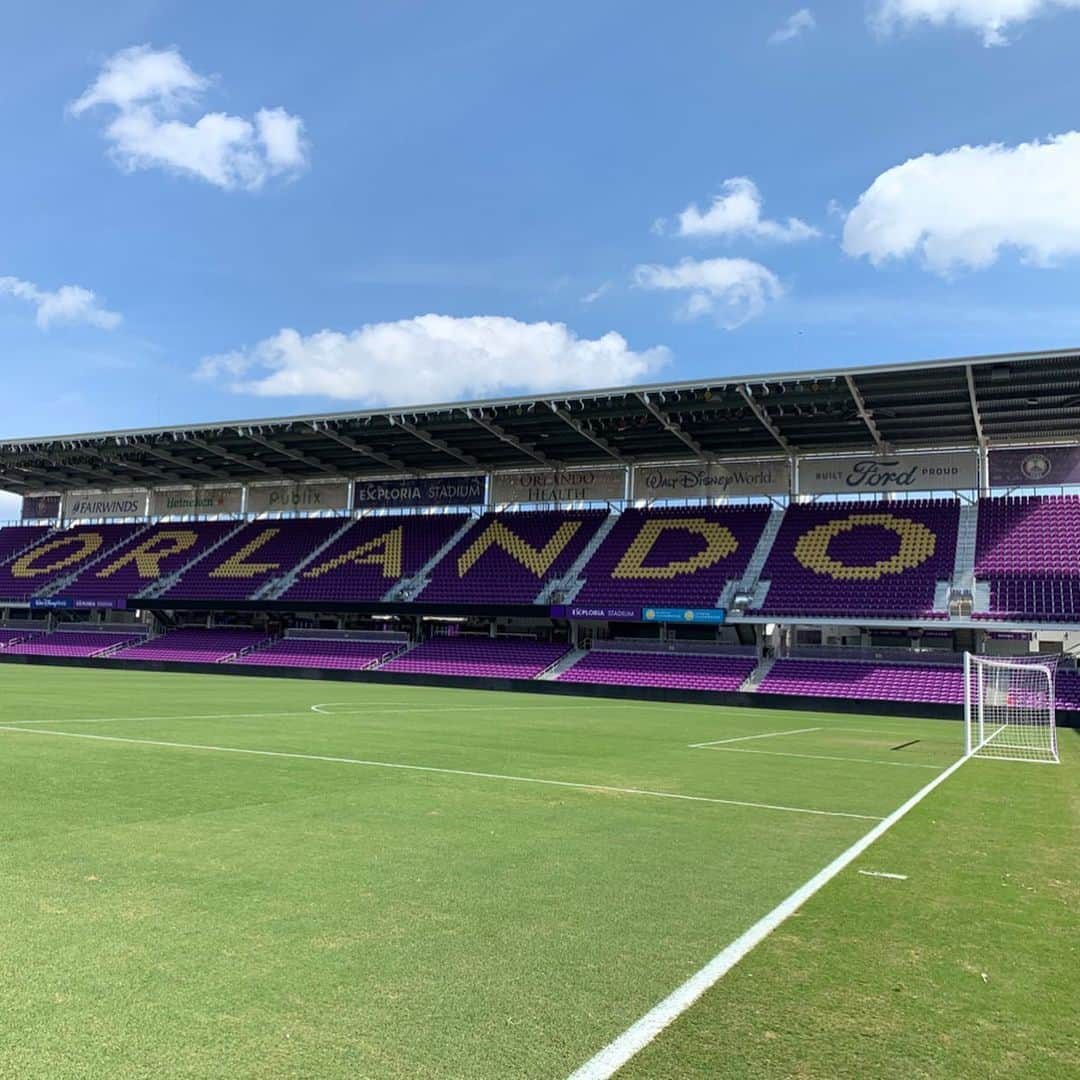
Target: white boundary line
{"points": [[617, 1053], [822, 757], [747, 738], [882, 873], [443, 771]]}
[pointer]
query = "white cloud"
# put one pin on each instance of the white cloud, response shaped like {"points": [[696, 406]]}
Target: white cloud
{"points": [[68, 304], [737, 212], [793, 26], [959, 209], [600, 291], [149, 90], [732, 290], [988, 18], [432, 358]]}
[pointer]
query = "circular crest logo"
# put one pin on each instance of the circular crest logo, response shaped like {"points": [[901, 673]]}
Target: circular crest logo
{"points": [[650, 614], [1036, 467]]}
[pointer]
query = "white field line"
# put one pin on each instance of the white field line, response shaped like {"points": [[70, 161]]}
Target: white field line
{"points": [[617, 1053], [823, 757], [882, 873], [434, 769], [747, 738], [357, 710]]}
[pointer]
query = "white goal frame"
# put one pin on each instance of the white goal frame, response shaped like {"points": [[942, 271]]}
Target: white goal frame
{"points": [[1009, 708]]}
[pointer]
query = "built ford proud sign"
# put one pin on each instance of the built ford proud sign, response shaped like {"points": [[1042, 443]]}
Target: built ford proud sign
{"points": [[901, 472]]}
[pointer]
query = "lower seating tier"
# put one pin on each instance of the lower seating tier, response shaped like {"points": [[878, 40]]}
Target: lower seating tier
{"points": [[329, 653], [72, 643], [865, 679], [479, 657], [682, 671], [194, 646]]}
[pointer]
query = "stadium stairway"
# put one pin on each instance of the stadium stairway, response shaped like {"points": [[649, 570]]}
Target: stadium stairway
{"points": [[754, 679], [571, 583], [57, 585], [273, 588], [566, 661], [170, 580], [408, 588], [749, 592]]}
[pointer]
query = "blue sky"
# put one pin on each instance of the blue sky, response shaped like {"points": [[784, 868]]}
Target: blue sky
{"points": [[402, 202]]}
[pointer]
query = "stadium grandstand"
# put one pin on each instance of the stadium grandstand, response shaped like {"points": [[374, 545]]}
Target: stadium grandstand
{"points": [[842, 535]]}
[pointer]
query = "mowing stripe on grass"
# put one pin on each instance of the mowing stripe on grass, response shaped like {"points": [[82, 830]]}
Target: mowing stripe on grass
{"points": [[636, 1037], [747, 738], [435, 769], [821, 757]]}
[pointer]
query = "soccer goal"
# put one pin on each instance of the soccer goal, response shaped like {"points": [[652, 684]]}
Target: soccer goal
{"points": [[1009, 708]]}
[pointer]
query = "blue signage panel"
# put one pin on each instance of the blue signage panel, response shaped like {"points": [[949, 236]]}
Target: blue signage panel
{"points": [[53, 603], [419, 491], [708, 616], [47, 603]]}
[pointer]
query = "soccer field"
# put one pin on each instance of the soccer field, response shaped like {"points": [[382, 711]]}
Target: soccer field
{"points": [[209, 877]]}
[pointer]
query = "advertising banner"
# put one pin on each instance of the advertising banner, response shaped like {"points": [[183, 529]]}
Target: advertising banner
{"points": [[573, 485], [1035, 467], [419, 491], [104, 504], [309, 496], [197, 500], [712, 481], [596, 611], [48, 603], [899, 472], [40, 506], [713, 616], [52, 603]]}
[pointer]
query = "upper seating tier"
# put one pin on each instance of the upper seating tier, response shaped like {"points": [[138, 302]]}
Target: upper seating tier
{"points": [[366, 561], [861, 560], [509, 558], [678, 556], [59, 555], [145, 559], [260, 551]]}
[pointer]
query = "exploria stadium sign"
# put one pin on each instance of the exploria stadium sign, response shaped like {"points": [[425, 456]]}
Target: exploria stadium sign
{"points": [[899, 472], [419, 491]]}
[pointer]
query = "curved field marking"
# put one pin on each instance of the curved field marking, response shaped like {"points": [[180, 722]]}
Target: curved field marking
{"points": [[635, 1038], [443, 771]]}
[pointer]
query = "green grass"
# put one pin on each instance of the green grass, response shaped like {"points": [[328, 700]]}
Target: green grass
{"points": [[195, 912]]}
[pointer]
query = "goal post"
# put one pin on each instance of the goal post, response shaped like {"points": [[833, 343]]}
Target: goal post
{"points": [[1009, 708]]}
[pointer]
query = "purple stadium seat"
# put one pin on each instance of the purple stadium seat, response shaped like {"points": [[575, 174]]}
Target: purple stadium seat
{"points": [[143, 560], [320, 653], [72, 643], [680, 671], [861, 560], [865, 679], [375, 554], [1028, 549], [259, 552], [508, 558], [58, 555], [479, 657], [678, 556], [14, 538], [195, 646]]}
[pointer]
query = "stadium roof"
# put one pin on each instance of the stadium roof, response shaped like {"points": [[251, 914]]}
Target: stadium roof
{"points": [[990, 400]]}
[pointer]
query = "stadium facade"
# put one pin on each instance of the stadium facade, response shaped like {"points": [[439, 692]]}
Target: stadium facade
{"points": [[840, 534]]}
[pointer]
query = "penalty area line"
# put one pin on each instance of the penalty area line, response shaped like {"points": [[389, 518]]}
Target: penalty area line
{"points": [[440, 770], [617, 1053], [747, 738]]}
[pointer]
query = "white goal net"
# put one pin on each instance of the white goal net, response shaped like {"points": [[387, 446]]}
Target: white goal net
{"points": [[1009, 708]]}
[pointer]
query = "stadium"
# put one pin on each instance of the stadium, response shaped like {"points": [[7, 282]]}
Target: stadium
{"points": [[687, 729]]}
